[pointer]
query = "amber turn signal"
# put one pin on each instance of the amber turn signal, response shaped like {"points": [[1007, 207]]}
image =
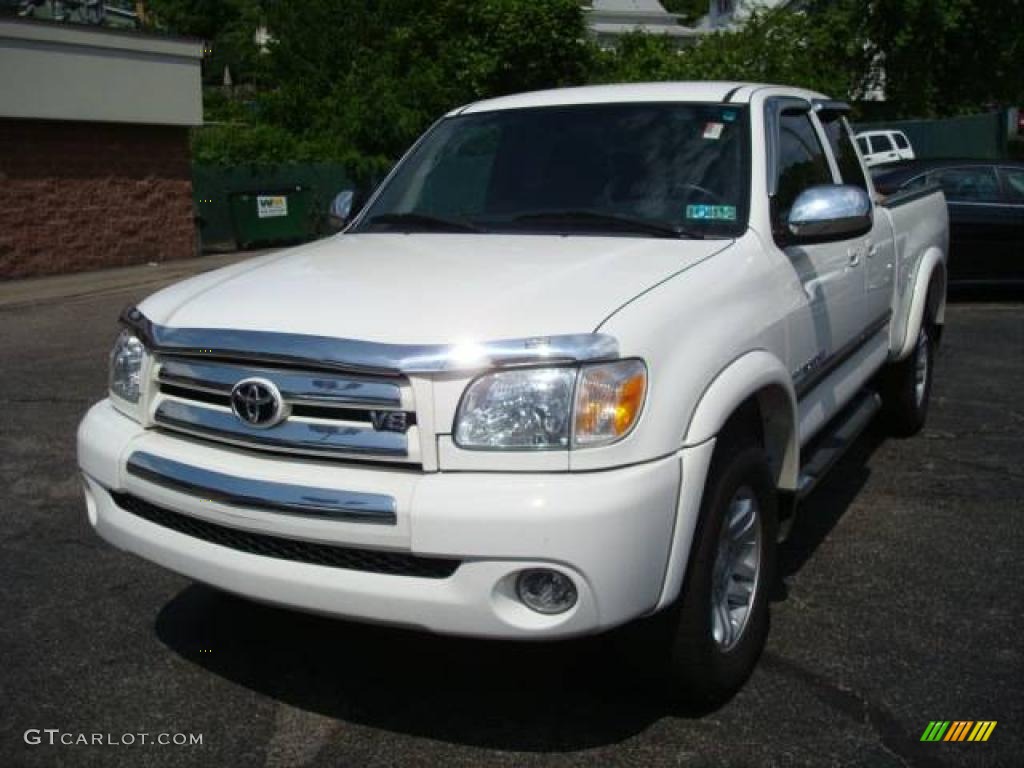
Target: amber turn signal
{"points": [[609, 398]]}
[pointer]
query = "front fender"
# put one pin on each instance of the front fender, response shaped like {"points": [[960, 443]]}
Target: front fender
{"points": [[761, 375]]}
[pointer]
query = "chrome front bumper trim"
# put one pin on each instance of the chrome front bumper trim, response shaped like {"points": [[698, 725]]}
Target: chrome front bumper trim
{"points": [[259, 494], [366, 356], [292, 436]]}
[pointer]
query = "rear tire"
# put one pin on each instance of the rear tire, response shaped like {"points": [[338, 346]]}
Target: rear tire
{"points": [[906, 387]]}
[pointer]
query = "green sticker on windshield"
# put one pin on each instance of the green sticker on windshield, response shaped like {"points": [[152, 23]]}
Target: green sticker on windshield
{"points": [[711, 212]]}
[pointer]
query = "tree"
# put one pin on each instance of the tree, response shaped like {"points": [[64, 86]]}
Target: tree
{"points": [[930, 57], [775, 46], [944, 57], [691, 11], [356, 81], [227, 26], [364, 79]]}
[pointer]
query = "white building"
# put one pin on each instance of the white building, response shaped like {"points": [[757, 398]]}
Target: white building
{"points": [[608, 20], [726, 13]]}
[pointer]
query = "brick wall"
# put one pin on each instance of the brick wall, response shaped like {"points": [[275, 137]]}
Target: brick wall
{"points": [[77, 196]]}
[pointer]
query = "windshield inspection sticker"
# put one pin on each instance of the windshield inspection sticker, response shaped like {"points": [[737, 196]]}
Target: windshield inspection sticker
{"points": [[711, 212], [713, 130]]}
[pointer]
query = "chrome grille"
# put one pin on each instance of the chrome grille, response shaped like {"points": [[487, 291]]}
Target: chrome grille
{"points": [[326, 414]]}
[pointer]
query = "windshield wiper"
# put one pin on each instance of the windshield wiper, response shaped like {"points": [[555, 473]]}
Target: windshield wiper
{"points": [[423, 222], [611, 220]]}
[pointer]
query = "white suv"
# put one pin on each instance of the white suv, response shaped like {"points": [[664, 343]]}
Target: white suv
{"points": [[880, 147]]}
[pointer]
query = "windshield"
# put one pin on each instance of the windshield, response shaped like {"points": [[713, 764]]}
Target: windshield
{"points": [[665, 169]]}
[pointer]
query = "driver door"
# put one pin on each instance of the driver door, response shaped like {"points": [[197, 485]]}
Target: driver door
{"points": [[831, 274]]}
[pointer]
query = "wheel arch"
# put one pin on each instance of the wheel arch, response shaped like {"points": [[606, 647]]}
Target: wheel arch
{"points": [[755, 390], [928, 301]]}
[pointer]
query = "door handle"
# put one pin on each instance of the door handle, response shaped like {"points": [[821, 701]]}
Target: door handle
{"points": [[853, 255]]}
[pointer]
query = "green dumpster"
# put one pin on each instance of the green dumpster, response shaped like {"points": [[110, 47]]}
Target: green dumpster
{"points": [[272, 216]]}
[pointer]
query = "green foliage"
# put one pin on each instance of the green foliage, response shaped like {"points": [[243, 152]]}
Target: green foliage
{"points": [[690, 10], [373, 76], [227, 26], [356, 81], [931, 57], [945, 57], [775, 46]]}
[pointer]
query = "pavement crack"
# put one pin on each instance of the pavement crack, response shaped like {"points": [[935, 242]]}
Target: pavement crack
{"points": [[903, 747]]}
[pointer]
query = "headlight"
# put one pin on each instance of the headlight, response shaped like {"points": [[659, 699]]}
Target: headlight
{"points": [[552, 408], [527, 409], [126, 367]]}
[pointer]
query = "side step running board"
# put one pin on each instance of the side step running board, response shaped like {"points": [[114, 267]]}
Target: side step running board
{"points": [[829, 447], [825, 450]]}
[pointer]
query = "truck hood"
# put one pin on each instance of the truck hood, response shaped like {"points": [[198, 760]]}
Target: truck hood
{"points": [[429, 288]]}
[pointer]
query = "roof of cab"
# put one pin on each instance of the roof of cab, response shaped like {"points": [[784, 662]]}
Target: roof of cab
{"points": [[704, 91]]}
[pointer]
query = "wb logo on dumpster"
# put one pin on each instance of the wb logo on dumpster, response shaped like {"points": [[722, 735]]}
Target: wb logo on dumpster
{"points": [[958, 730], [268, 206]]}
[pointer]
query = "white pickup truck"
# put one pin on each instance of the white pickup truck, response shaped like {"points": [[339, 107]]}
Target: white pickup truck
{"points": [[572, 365]]}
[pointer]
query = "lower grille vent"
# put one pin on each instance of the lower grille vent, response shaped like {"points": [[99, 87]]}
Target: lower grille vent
{"points": [[368, 560]]}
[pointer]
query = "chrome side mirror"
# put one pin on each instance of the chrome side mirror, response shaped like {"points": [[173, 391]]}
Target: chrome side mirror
{"points": [[829, 212]]}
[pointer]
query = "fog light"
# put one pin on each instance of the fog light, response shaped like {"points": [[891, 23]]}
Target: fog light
{"points": [[546, 591]]}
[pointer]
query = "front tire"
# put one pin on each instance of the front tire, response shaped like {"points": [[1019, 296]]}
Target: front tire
{"points": [[907, 387], [720, 622]]}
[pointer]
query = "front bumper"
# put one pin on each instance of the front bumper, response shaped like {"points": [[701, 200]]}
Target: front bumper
{"points": [[610, 531]]}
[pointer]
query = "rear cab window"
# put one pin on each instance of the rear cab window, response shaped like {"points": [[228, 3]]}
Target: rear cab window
{"points": [[901, 141], [880, 143], [841, 140]]}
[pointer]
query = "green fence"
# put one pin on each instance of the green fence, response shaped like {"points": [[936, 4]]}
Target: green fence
{"points": [[975, 136], [244, 206]]}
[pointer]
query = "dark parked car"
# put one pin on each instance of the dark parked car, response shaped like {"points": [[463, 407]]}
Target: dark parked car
{"points": [[986, 213]]}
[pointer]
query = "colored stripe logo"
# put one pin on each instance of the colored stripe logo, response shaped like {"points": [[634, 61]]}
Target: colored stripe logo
{"points": [[958, 730]]}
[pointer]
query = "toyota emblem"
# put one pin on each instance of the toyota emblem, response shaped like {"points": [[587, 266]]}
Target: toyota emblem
{"points": [[257, 402]]}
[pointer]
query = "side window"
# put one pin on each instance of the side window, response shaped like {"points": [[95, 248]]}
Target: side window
{"points": [[863, 144], [1013, 181], [881, 143], [901, 141], [969, 185], [841, 141], [802, 163]]}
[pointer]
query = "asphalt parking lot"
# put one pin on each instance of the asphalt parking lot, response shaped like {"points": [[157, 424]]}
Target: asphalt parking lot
{"points": [[902, 603]]}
